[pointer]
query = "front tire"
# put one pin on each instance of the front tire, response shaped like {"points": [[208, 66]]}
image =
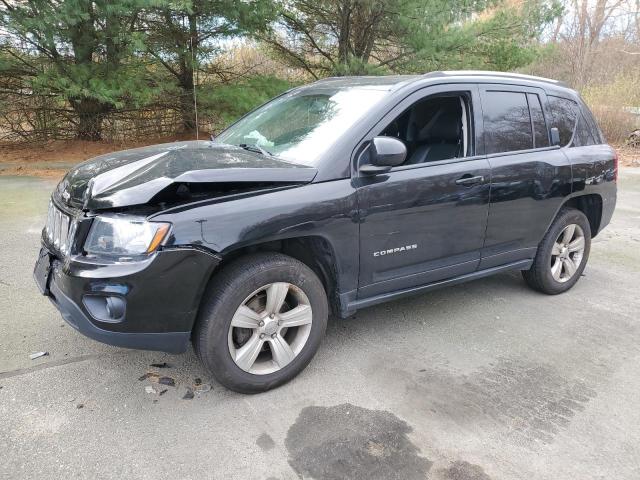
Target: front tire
{"points": [[562, 255], [262, 321]]}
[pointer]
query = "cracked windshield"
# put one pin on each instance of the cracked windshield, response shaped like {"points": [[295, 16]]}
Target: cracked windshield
{"points": [[301, 126]]}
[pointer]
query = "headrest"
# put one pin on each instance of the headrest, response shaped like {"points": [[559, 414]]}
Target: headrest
{"points": [[447, 126]]}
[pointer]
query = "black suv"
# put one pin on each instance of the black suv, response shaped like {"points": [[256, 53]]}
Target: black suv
{"points": [[332, 197]]}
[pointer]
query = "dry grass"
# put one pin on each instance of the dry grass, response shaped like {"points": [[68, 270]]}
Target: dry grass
{"points": [[628, 157], [53, 159]]}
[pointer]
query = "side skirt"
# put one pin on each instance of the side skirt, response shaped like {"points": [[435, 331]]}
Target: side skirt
{"points": [[349, 305]]}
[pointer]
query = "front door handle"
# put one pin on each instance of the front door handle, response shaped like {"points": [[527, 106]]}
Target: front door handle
{"points": [[468, 180]]}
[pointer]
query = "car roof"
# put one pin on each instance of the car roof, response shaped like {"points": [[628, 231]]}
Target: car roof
{"points": [[394, 82]]}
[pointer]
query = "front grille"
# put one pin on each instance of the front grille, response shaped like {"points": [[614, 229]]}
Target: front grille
{"points": [[58, 229]]}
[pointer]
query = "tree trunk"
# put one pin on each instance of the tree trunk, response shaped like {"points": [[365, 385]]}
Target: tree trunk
{"points": [[187, 107], [186, 80], [90, 113]]}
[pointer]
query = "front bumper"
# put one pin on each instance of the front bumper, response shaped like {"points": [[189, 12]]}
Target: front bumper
{"points": [[160, 295]]}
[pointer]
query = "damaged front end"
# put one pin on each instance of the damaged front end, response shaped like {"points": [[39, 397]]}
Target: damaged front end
{"points": [[104, 255], [167, 175]]}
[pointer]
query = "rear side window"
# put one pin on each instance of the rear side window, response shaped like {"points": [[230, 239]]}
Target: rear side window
{"points": [[583, 136], [507, 123], [563, 111], [540, 132], [592, 124]]}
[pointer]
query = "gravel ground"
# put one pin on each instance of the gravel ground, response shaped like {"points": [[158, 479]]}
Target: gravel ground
{"points": [[486, 380]]}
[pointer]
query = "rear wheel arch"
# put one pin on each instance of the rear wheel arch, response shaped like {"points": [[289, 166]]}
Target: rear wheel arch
{"points": [[589, 204]]}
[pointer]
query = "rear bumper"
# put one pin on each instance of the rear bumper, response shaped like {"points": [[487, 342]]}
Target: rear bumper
{"points": [[160, 296]]}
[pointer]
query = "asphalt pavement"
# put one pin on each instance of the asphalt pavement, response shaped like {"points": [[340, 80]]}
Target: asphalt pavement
{"points": [[486, 380]]}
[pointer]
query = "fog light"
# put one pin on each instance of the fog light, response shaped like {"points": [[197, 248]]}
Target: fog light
{"points": [[105, 308]]}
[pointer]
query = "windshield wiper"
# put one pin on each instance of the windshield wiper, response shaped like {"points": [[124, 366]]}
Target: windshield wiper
{"points": [[256, 148]]}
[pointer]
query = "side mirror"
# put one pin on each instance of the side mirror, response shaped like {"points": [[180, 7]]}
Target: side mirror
{"points": [[555, 136], [385, 153]]}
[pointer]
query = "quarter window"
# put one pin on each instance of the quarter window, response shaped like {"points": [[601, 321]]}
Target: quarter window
{"points": [[563, 111], [583, 136], [540, 132], [507, 123], [596, 134]]}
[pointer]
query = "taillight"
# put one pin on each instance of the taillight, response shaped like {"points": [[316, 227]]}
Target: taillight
{"points": [[615, 166]]}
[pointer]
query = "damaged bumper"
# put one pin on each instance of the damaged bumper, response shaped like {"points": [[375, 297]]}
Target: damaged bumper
{"points": [[149, 305]]}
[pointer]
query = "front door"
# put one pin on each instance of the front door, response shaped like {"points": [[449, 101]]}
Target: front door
{"points": [[425, 220]]}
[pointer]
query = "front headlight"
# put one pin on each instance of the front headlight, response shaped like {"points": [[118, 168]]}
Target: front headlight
{"points": [[124, 236]]}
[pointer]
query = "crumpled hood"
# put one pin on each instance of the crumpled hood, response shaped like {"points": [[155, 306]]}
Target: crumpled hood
{"points": [[136, 176]]}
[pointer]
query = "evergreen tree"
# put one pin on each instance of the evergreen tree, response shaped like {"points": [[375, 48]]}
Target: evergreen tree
{"points": [[184, 37], [341, 37], [81, 50]]}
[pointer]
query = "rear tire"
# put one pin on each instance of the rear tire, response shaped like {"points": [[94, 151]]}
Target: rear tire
{"points": [[562, 255], [261, 323]]}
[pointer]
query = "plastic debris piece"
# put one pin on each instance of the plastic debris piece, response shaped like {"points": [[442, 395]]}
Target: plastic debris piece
{"points": [[197, 381], [33, 356], [160, 365], [162, 392], [150, 389], [202, 388], [188, 395], [167, 381], [151, 376]]}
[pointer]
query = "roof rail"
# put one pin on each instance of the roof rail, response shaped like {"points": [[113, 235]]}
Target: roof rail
{"points": [[488, 73]]}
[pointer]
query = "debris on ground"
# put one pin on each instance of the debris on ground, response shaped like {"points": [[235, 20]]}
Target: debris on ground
{"points": [[167, 381], [151, 376], [156, 378], [150, 389], [80, 405], [188, 395], [33, 356], [202, 388], [162, 392], [197, 381], [160, 365]]}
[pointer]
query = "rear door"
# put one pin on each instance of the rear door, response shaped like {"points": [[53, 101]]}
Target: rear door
{"points": [[529, 178], [426, 222]]}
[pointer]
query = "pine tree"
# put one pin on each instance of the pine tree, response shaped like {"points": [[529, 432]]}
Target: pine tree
{"points": [[82, 51], [346, 37], [182, 36]]}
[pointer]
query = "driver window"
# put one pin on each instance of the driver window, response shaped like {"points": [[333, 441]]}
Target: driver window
{"points": [[435, 128]]}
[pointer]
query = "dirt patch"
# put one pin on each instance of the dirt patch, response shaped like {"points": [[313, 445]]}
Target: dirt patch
{"points": [[530, 403], [463, 471], [53, 159], [265, 442], [349, 442], [628, 156]]}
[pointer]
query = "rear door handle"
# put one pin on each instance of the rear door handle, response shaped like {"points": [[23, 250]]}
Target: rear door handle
{"points": [[468, 180]]}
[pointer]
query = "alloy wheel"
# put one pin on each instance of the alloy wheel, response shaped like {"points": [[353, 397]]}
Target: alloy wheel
{"points": [[567, 253], [270, 328]]}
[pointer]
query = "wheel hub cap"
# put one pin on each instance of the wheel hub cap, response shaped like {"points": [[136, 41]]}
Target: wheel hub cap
{"points": [[270, 326]]}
